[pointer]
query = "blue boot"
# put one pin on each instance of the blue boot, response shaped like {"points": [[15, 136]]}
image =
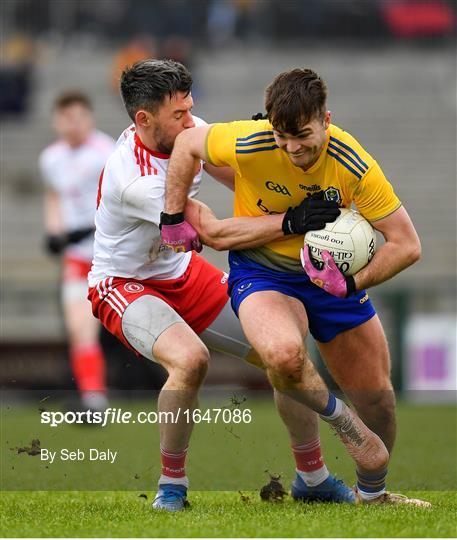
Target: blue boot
{"points": [[170, 497], [331, 490]]}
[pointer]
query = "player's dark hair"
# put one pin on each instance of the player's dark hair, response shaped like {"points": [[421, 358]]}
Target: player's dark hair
{"points": [[72, 97], [294, 99], [146, 84]]}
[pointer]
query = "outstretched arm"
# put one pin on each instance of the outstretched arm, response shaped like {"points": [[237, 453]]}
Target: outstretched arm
{"points": [[240, 232], [232, 233]]}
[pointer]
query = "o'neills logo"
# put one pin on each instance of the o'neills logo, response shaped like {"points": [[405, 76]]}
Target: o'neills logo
{"points": [[133, 287], [314, 187]]}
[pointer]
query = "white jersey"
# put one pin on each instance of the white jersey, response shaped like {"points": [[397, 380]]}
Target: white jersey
{"points": [[74, 173], [131, 198]]}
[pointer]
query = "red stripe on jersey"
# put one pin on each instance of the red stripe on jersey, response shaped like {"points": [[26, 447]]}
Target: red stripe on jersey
{"points": [[151, 167], [139, 160], [142, 165], [148, 161], [99, 191], [145, 164], [143, 157]]}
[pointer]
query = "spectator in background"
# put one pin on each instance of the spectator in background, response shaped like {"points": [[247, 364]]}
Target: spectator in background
{"points": [[16, 74], [172, 46], [234, 20], [138, 48], [70, 169], [178, 48]]}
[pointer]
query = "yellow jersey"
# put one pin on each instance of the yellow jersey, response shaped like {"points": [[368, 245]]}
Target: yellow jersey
{"points": [[266, 181]]}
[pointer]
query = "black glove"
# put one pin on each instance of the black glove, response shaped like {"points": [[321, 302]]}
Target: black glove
{"points": [[170, 219], [312, 214], [54, 244]]}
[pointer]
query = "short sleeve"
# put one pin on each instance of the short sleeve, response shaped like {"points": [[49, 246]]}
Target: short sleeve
{"points": [[141, 200], [374, 195], [220, 145]]}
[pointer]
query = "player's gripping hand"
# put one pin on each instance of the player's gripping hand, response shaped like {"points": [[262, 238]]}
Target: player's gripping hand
{"points": [[310, 215], [330, 277], [177, 234]]}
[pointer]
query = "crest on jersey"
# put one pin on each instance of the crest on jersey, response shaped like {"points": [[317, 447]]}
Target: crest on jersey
{"points": [[332, 194], [133, 287]]}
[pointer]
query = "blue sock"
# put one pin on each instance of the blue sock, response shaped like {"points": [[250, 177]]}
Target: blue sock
{"points": [[371, 485], [333, 408]]}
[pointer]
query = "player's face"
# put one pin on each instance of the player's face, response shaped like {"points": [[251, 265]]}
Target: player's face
{"points": [[304, 148], [173, 116], [74, 123]]}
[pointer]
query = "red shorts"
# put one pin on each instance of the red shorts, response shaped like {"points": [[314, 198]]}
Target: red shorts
{"points": [[198, 296], [75, 269]]}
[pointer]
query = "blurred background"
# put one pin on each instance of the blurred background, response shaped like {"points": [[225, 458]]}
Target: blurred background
{"points": [[391, 71]]}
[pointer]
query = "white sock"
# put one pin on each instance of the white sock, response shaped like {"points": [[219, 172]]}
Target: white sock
{"points": [[182, 481], [370, 496], [314, 478]]}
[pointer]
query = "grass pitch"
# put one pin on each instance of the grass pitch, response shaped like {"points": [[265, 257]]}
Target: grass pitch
{"points": [[423, 466], [218, 514]]}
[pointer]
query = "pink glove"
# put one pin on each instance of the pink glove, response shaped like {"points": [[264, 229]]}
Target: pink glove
{"points": [[330, 277], [181, 237]]}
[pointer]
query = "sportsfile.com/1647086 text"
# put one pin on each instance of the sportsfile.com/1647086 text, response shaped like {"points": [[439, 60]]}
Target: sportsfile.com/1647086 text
{"points": [[114, 415]]}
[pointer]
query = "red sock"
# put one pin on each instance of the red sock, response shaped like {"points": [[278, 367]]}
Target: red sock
{"points": [[173, 464], [308, 456], [88, 365]]}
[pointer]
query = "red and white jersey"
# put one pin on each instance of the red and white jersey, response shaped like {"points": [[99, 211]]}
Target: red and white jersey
{"points": [[130, 198], [74, 173]]}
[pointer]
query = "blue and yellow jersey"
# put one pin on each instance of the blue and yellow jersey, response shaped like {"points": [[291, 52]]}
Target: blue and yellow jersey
{"points": [[267, 182]]}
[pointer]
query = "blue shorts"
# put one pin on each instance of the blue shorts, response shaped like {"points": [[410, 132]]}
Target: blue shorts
{"points": [[327, 315]]}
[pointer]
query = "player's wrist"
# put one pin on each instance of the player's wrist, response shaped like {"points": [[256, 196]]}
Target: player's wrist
{"points": [[351, 287], [288, 225], [171, 219]]}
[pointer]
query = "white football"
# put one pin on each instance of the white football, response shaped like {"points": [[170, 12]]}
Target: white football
{"points": [[350, 239]]}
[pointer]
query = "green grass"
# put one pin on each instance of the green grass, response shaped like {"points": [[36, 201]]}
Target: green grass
{"points": [[41, 499], [218, 514]]}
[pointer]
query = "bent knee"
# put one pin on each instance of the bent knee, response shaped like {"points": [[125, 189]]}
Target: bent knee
{"points": [[196, 360], [192, 364], [285, 361]]}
